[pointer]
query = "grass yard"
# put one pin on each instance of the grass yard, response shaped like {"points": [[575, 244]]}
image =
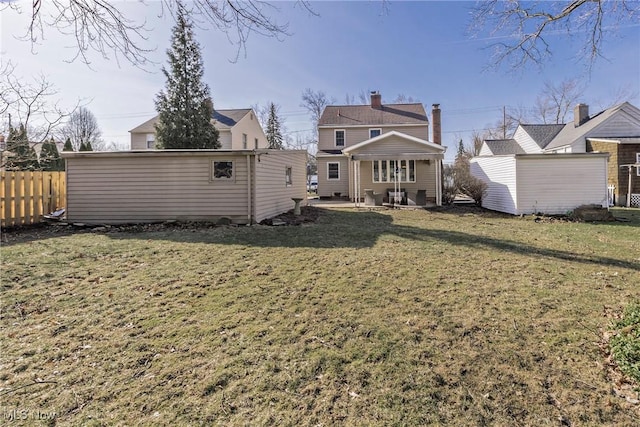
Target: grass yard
{"points": [[458, 317]]}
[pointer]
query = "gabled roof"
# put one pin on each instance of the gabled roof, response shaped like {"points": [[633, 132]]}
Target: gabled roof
{"points": [[223, 119], [542, 134], [386, 135], [362, 115], [499, 147], [570, 133], [226, 119]]}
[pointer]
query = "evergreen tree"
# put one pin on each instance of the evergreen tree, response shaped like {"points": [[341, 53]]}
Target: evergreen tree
{"points": [[88, 146], [274, 134], [83, 147], [22, 156], [50, 157], [67, 145], [185, 109]]}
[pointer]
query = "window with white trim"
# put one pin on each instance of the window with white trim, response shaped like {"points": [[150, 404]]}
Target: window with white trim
{"points": [[288, 176], [222, 170], [151, 141], [333, 170], [387, 170], [340, 137], [374, 132], [244, 141]]}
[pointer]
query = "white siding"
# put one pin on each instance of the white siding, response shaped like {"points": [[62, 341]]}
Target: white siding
{"points": [[559, 183], [356, 135], [620, 124], [250, 126], [135, 189], [499, 173], [484, 150], [272, 195], [526, 142], [326, 187], [224, 136]]}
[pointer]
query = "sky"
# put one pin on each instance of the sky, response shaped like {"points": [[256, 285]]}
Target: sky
{"points": [[421, 49]]}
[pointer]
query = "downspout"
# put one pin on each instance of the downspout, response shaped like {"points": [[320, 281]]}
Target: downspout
{"points": [[249, 189]]}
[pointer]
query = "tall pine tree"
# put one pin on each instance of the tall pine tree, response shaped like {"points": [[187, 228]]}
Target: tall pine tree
{"points": [[274, 133], [50, 157], [67, 145], [185, 109]]}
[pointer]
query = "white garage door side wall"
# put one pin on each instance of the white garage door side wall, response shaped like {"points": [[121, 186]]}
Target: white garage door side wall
{"points": [[555, 184], [499, 173], [272, 195]]}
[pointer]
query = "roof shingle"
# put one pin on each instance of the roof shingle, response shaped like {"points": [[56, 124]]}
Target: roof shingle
{"points": [[388, 114]]}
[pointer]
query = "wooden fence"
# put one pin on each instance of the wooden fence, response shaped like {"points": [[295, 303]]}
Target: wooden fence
{"points": [[26, 196]]}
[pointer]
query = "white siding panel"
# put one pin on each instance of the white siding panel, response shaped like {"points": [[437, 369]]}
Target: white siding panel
{"points": [[558, 184], [526, 142], [327, 187], [499, 173], [224, 136], [394, 145], [272, 195], [620, 124], [153, 188], [356, 135]]}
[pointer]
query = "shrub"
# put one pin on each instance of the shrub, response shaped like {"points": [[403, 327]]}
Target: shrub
{"points": [[625, 345], [449, 188], [467, 183]]}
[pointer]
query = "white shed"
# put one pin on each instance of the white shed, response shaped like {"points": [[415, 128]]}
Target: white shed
{"points": [[542, 183], [245, 186]]}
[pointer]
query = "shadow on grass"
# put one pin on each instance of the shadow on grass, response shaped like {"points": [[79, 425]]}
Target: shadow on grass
{"points": [[351, 229]]}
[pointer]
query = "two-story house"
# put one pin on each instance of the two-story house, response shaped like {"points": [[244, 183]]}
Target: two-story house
{"points": [[239, 129], [380, 149]]}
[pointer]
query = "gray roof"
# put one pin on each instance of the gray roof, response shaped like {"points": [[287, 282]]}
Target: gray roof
{"points": [[542, 134], [223, 119], [504, 146], [570, 133], [388, 114]]}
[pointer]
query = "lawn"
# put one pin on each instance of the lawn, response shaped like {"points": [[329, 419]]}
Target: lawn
{"points": [[456, 317]]}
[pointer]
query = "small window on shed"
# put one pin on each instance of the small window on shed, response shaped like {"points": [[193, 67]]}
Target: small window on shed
{"points": [[288, 176], [222, 170]]}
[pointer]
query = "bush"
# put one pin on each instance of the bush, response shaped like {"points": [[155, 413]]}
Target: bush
{"points": [[625, 345], [467, 183], [449, 188]]}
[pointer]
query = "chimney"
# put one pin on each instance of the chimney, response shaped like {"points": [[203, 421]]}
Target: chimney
{"points": [[437, 124], [376, 100], [580, 114]]}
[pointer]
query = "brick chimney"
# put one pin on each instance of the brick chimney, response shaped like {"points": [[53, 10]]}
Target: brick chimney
{"points": [[437, 124], [376, 100], [580, 114]]}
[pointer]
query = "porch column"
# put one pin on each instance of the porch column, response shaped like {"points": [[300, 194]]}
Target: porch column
{"points": [[438, 182]]}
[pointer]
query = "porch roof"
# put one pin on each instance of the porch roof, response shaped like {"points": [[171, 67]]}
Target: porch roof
{"points": [[398, 156]]}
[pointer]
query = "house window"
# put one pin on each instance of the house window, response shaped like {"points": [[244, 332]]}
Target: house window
{"points": [[637, 161], [340, 138], [255, 143], [386, 170], [222, 170], [151, 141], [333, 170], [374, 132], [244, 141], [288, 176]]}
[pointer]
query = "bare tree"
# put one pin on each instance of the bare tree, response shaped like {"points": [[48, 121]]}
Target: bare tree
{"points": [[556, 100], [31, 104], [314, 103], [82, 128], [101, 26], [403, 99], [526, 26]]}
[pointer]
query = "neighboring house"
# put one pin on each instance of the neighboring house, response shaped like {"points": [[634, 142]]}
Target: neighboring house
{"points": [[382, 149], [615, 131], [239, 129], [243, 186]]}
